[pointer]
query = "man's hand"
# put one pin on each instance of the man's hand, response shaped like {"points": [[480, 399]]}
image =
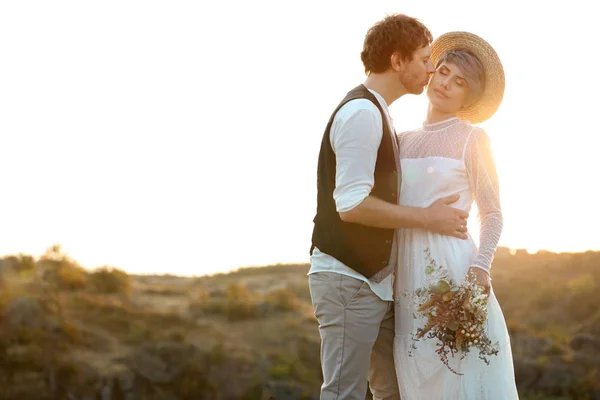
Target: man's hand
{"points": [[446, 220], [480, 277]]}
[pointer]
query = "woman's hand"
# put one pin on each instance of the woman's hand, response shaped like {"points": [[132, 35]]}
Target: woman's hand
{"points": [[480, 277]]}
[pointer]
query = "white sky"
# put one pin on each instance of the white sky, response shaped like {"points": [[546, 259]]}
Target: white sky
{"points": [[182, 136]]}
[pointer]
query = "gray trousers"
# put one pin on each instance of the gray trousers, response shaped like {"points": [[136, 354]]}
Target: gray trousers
{"points": [[357, 337]]}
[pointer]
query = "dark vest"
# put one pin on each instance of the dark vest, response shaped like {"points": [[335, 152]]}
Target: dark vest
{"points": [[365, 249]]}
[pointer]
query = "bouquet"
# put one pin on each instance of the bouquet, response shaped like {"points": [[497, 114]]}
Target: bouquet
{"points": [[455, 315]]}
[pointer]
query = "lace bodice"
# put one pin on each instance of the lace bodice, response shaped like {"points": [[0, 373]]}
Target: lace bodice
{"points": [[473, 171]]}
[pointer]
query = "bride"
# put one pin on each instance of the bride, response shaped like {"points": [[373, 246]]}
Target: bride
{"points": [[446, 156]]}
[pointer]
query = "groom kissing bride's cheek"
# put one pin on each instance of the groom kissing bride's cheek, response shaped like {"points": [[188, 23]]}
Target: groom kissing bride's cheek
{"points": [[401, 292]]}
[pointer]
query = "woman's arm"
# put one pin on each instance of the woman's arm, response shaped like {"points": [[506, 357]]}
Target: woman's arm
{"points": [[483, 176]]}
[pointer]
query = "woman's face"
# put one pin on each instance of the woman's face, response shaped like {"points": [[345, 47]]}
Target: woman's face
{"points": [[448, 90]]}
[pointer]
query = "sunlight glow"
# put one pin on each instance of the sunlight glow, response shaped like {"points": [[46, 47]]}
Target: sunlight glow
{"points": [[182, 137]]}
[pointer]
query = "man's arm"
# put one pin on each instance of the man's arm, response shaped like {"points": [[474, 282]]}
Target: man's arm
{"points": [[439, 217], [355, 138]]}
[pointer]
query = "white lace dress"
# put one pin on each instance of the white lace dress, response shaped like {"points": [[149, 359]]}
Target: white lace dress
{"points": [[439, 160]]}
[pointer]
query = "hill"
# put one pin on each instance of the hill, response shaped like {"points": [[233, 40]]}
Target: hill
{"points": [[71, 333]]}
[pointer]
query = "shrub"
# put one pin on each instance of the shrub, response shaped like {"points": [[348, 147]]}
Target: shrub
{"points": [[109, 280], [67, 275], [283, 300], [241, 303], [62, 271]]}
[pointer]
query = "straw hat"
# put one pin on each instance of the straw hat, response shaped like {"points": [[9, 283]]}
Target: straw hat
{"points": [[494, 73]]}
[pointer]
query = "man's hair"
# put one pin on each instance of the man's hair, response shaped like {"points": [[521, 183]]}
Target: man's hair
{"points": [[469, 65], [396, 33]]}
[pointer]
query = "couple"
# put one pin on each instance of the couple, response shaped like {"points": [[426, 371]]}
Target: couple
{"points": [[384, 199]]}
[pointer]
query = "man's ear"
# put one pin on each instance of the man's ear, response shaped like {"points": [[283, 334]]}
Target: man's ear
{"points": [[397, 62]]}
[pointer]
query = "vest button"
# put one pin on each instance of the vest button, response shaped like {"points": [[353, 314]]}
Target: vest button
{"points": [[393, 194], [384, 262], [388, 241]]}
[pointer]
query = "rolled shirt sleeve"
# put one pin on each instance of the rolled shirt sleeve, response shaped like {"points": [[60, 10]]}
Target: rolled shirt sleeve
{"points": [[355, 137]]}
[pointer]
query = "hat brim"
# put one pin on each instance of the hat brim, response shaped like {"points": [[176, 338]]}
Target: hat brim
{"points": [[494, 72]]}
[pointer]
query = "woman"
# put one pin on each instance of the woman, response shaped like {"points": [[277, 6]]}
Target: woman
{"points": [[447, 156]]}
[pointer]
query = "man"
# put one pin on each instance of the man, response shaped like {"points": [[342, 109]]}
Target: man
{"points": [[354, 250]]}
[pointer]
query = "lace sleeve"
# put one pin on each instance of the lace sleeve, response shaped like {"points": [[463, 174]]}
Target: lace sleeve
{"points": [[483, 177], [399, 139]]}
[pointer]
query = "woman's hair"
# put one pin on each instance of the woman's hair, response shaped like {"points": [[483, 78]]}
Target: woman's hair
{"points": [[471, 67], [397, 33]]}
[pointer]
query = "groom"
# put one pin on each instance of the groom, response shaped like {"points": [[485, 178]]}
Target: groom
{"points": [[354, 248]]}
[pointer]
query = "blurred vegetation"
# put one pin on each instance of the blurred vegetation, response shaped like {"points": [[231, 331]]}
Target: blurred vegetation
{"points": [[67, 332], [109, 280]]}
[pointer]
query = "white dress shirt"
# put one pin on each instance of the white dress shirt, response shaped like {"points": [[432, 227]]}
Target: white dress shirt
{"points": [[355, 136]]}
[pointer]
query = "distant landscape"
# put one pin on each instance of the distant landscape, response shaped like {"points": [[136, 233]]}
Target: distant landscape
{"points": [[72, 333]]}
